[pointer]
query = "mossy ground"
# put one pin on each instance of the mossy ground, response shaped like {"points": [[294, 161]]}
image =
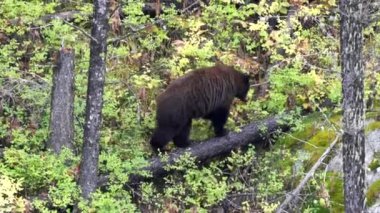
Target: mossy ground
{"points": [[373, 193], [334, 182], [318, 144], [336, 119], [294, 139]]}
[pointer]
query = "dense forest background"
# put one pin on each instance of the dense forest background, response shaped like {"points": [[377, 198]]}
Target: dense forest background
{"points": [[289, 48]]}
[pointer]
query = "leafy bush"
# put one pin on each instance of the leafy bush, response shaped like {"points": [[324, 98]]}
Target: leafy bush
{"points": [[44, 172], [9, 201]]}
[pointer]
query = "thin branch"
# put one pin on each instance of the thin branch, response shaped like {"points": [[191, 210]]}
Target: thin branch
{"points": [[81, 30], [303, 141], [327, 119], [292, 197], [134, 31], [259, 84], [113, 12], [188, 7]]}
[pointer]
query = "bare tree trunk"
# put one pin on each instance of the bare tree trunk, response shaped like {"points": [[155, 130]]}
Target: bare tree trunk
{"points": [[353, 104], [62, 103], [90, 153]]}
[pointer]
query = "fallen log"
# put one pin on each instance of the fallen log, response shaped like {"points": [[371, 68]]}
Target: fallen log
{"points": [[255, 133]]}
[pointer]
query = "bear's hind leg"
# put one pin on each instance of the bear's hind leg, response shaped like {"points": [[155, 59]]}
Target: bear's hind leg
{"points": [[182, 138]]}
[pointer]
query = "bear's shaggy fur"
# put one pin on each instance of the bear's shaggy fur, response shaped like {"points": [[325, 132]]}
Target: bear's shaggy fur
{"points": [[204, 93]]}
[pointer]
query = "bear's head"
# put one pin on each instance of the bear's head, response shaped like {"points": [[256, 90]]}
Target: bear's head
{"points": [[242, 87]]}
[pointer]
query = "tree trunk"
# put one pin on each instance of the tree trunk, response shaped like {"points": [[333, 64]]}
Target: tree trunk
{"points": [[90, 153], [353, 104], [62, 103]]}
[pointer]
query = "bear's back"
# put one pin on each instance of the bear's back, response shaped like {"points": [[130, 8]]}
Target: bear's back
{"points": [[199, 92]]}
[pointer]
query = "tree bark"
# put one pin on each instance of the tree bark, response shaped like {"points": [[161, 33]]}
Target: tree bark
{"points": [[90, 153], [62, 103], [256, 133], [351, 39]]}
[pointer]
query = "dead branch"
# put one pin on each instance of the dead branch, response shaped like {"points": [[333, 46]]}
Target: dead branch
{"points": [[81, 30]]}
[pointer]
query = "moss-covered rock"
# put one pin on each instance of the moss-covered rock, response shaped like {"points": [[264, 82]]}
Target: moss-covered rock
{"points": [[372, 126], [374, 165], [373, 193]]}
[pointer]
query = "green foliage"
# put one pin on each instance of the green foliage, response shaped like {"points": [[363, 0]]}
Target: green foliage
{"points": [[134, 9], [373, 193], [290, 87], [115, 200], [120, 168], [335, 91], [59, 33], [328, 193], [44, 171], [201, 130], [9, 201], [268, 175], [200, 187], [273, 173], [195, 187], [190, 187], [27, 10], [9, 54]]}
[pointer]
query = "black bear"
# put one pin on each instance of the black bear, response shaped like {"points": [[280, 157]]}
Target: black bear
{"points": [[204, 93]]}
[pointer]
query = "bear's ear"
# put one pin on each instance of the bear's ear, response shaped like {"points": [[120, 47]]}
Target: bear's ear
{"points": [[222, 65]]}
